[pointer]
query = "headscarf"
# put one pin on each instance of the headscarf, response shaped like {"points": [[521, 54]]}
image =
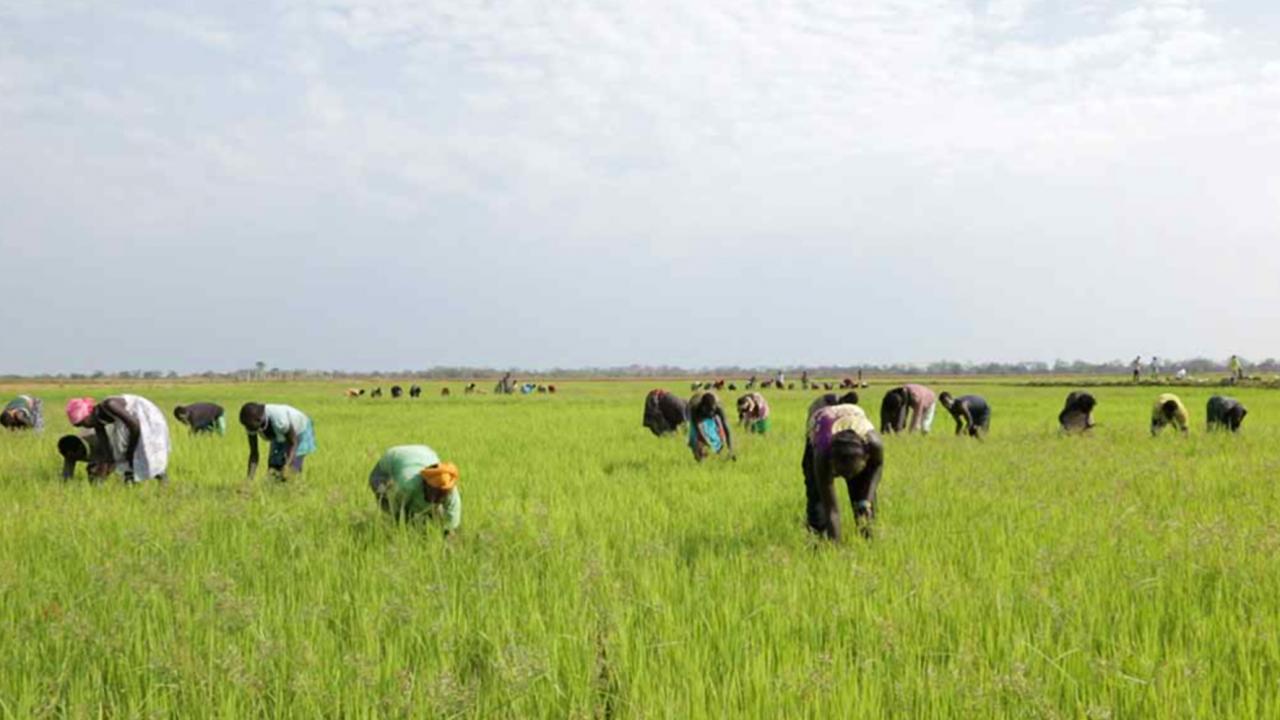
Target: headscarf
{"points": [[443, 476], [79, 408]]}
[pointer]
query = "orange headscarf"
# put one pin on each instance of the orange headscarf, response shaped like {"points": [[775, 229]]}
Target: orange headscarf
{"points": [[441, 477]]}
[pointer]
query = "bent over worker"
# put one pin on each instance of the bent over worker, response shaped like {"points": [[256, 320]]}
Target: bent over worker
{"points": [[410, 481], [841, 442], [1169, 410]]}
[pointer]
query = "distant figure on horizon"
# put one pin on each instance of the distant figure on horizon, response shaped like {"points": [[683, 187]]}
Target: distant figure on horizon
{"points": [[1137, 368], [290, 433], [202, 417], [664, 412], [1155, 367], [779, 379], [840, 441], [804, 380], [505, 386], [1224, 413], [971, 413], [131, 429], [708, 428], [23, 413], [1077, 412], [1236, 367], [1169, 410], [409, 482]]}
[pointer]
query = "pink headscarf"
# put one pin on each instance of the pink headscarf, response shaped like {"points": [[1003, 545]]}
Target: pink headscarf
{"points": [[78, 409]]}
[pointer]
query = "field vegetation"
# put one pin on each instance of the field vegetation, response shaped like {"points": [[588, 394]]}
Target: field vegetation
{"points": [[600, 572]]}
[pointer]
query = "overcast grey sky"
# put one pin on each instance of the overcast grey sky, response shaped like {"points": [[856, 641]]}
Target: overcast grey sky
{"points": [[399, 184]]}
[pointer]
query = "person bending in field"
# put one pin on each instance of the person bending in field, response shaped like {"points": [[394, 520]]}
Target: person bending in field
{"points": [[84, 448], [410, 481], [664, 412], [1077, 412], [708, 429], [290, 433], [23, 413], [911, 399], [1225, 413], [753, 413], [131, 428], [893, 411], [1169, 410], [840, 441], [971, 412], [812, 497], [202, 417]]}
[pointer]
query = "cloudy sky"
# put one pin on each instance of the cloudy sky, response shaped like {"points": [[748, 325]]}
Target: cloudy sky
{"points": [[400, 183]]}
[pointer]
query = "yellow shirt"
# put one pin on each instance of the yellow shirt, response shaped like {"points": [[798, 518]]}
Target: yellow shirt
{"points": [[1180, 417]]}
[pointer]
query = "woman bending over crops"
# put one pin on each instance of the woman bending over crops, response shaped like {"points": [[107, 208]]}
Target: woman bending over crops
{"points": [[202, 417], [131, 428], [291, 435], [1225, 413], [84, 448], [663, 412], [23, 413], [708, 429], [1169, 410], [916, 400], [410, 481], [753, 412], [971, 413], [841, 442], [1077, 412]]}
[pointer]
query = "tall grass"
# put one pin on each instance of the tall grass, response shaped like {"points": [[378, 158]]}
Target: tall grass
{"points": [[600, 572]]}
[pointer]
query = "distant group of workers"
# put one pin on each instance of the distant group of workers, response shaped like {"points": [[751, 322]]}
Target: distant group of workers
{"points": [[128, 434], [1235, 369], [841, 441]]}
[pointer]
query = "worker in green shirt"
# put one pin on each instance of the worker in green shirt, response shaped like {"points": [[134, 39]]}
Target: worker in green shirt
{"points": [[410, 480], [23, 413]]}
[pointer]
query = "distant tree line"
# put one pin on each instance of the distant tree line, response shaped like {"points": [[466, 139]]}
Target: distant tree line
{"points": [[260, 371]]}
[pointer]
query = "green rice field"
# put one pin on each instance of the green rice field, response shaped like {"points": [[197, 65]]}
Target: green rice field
{"points": [[601, 573]]}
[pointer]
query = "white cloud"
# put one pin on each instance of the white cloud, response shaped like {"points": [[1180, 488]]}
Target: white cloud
{"points": [[204, 30]]}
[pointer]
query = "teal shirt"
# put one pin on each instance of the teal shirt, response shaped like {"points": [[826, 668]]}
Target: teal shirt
{"points": [[22, 402], [398, 470]]}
